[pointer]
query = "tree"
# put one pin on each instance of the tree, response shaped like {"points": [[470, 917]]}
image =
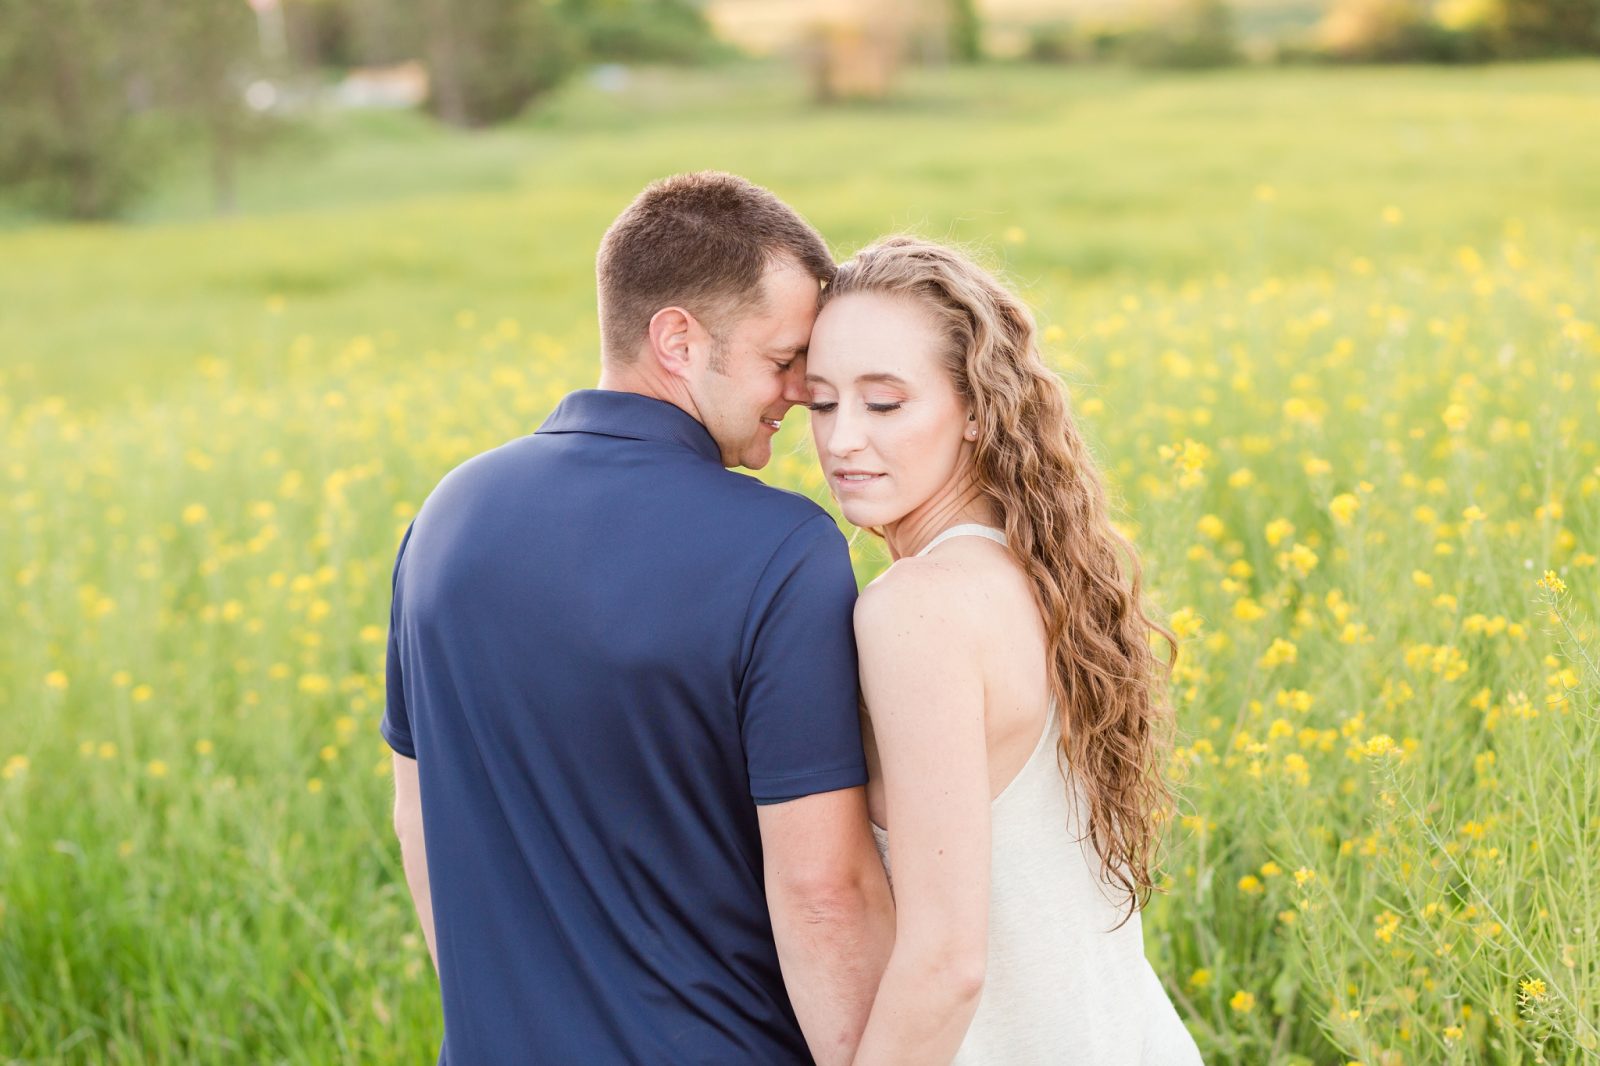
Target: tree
{"points": [[1190, 34], [205, 49], [74, 140], [966, 31], [490, 58], [1549, 27], [671, 31]]}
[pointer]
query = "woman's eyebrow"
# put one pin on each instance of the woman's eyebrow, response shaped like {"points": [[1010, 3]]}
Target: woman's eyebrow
{"points": [[878, 378]]}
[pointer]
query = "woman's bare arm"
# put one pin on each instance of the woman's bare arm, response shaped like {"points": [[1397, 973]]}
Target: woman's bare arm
{"points": [[923, 684]]}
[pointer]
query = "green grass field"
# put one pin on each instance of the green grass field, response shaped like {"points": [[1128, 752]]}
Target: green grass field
{"points": [[1332, 333]]}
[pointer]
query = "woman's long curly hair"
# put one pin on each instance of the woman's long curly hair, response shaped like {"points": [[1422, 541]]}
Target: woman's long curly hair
{"points": [[1033, 466]]}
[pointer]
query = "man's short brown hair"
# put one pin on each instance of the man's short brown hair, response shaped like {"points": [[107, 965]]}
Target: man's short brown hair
{"points": [[698, 241]]}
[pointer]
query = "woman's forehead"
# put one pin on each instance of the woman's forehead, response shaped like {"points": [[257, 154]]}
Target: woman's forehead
{"points": [[865, 337]]}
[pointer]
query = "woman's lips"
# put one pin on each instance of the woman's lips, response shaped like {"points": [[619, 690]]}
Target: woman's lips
{"points": [[852, 479]]}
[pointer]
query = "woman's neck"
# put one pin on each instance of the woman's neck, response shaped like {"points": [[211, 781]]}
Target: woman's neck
{"points": [[956, 504]]}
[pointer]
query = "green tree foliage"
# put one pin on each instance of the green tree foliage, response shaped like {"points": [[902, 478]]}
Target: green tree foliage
{"points": [[346, 33], [966, 31], [1192, 34], [74, 140], [1548, 27], [209, 47], [490, 58], [670, 31], [98, 91], [1459, 30]]}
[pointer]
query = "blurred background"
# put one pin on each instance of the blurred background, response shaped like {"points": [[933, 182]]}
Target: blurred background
{"points": [[1321, 277], [132, 108]]}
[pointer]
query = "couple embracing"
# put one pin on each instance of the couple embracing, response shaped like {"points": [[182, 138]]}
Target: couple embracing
{"points": [[669, 791]]}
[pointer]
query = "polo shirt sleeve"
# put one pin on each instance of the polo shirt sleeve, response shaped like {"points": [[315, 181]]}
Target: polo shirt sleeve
{"points": [[798, 701], [396, 724]]}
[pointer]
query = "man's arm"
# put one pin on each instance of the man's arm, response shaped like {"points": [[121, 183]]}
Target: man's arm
{"points": [[413, 848], [832, 916]]}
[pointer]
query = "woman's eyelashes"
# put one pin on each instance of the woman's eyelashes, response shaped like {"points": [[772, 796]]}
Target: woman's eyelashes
{"points": [[829, 406]]}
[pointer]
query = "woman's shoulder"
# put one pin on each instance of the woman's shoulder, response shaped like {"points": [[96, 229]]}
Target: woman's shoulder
{"points": [[951, 590]]}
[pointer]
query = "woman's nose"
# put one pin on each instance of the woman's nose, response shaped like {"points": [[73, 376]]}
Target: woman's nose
{"points": [[847, 434]]}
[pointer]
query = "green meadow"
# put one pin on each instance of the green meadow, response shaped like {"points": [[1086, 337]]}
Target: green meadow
{"points": [[1332, 333]]}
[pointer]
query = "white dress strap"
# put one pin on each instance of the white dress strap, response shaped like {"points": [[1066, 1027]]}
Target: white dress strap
{"points": [[966, 529]]}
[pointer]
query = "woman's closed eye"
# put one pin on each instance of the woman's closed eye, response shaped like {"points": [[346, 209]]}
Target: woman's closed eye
{"points": [[830, 405]]}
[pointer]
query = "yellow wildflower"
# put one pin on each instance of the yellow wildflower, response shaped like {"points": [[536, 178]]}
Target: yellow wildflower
{"points": [[1186, 622], [1301, 559], [1343, 507], [1280, 652], [1379, 745], [1247, 610], [1386, 925]]}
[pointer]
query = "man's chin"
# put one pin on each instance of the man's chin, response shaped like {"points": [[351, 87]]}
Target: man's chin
{"points": [[757, 452]]}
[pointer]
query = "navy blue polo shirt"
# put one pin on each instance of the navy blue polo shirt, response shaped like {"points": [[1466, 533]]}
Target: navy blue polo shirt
{"points": [[605, 650]]}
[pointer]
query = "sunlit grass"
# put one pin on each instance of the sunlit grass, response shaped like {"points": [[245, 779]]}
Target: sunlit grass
{"points": [[1353, 423]]}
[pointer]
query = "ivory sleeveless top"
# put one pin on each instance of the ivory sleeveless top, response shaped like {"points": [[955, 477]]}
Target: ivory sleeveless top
{"points": [[1063, 985]]}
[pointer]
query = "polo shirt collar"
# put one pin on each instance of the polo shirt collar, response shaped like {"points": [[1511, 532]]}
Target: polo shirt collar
{"points": [[631, 416]]}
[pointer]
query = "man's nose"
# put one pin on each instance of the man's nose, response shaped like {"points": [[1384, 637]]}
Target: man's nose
{"points": [[794, 384]]}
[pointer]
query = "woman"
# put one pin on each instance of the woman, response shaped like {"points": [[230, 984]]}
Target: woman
{"points": [[1015, 719]]}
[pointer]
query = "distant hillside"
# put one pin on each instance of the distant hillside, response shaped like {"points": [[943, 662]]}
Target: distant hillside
{"points": [[769, 25]]}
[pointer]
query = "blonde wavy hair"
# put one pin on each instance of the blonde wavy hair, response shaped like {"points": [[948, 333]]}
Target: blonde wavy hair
{"points": [[1033, 466]]}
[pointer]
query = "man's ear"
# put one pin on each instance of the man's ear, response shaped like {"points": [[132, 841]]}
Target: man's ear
{"points": [[671, 336]]}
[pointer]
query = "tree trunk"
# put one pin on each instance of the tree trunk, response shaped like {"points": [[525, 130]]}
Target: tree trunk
{"points": [[224, 154], [444, 57]]}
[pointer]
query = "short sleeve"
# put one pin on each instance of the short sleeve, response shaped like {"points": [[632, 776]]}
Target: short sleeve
{"points": [[396, 724], [798, 700]]}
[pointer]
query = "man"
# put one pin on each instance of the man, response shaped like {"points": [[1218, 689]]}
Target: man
{"points": [[622, 687]]}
